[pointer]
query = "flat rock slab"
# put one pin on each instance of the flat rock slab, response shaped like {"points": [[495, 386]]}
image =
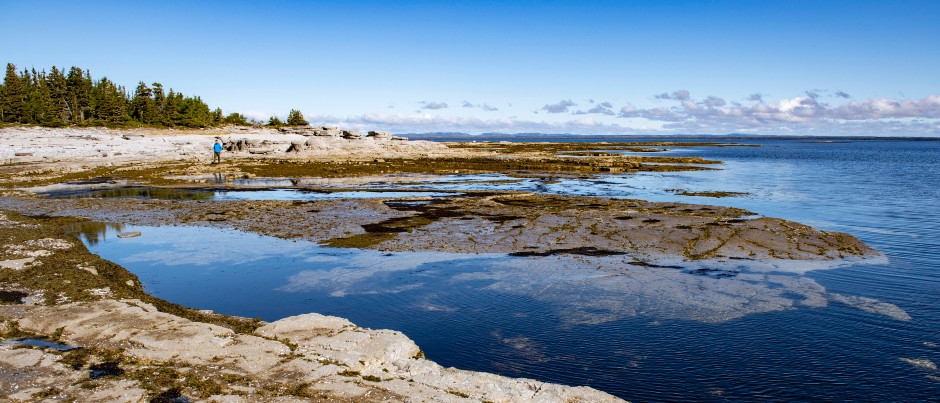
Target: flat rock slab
{"points": [[317, 354], [529, 224]]}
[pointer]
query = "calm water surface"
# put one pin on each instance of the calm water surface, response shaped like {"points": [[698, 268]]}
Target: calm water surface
{"points": [[560, 321]]}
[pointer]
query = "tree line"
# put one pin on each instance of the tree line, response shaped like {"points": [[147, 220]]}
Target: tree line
{"points": [[59, 98]]}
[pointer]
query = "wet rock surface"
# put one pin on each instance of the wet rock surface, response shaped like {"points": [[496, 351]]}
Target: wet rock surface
{"points": [[523, 224]]}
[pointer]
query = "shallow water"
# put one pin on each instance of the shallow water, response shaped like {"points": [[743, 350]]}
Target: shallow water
{"points": [[653, 335]]}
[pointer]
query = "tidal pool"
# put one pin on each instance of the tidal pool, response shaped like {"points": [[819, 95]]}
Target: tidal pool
{"points": [[493, 312]]}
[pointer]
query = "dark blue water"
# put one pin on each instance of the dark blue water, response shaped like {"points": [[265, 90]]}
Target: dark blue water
{"points": [[653, 337]]}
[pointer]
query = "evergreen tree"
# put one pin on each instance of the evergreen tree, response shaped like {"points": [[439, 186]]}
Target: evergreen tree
{"points": [[295, 118], [217, 116], [171, 113], [275, 122], [236, 119], [79, 88], [59, 110], [159, 99], [57, 99], [38, 100], [110, 102], [14, 97], [143, 106]]}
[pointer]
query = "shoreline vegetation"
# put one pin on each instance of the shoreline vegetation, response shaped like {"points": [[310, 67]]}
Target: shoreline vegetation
{"points": [[54, 289], [59, 99]]}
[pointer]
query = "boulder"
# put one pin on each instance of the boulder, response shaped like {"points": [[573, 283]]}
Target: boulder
{"points": [[328, 133], [352, 134], [296, 146]]}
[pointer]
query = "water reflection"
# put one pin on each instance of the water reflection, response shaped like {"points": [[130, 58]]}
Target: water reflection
{"points": [[94, 232], [137, 193], [583, 290]]}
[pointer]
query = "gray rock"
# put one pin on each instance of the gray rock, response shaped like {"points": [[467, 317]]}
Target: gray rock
{"points": [[352, 134], [296, 146]]}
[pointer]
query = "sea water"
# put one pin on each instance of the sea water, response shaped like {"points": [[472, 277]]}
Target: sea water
{"points": [[557, 319]]}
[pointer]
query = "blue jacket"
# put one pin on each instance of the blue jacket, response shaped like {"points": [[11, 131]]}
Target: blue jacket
{"points": [[217, 148]]}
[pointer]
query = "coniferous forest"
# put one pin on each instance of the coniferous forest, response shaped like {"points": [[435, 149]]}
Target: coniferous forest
{"points": [[72, 98]]}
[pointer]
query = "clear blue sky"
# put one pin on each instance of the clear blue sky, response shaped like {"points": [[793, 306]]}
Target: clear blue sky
{"points": [[788, 67]]}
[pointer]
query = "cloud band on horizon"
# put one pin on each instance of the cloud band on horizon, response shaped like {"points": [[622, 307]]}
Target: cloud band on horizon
{"points": [[806, 114]]}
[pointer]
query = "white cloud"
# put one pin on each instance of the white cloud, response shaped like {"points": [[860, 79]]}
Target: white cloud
{"points": [[433, 105], [485, 107], [423, 123], [809, 114], [603, 108], [715, 115], [561, 107]]}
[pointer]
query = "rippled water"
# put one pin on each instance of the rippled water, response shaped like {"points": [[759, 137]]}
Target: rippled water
{"points": [[655, 336]]}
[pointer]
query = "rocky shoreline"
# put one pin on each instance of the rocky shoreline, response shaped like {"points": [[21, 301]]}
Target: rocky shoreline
{"points": [[56, 290]]}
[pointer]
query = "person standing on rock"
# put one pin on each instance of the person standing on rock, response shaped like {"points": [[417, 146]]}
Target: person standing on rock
{"points": [[217, 149]]}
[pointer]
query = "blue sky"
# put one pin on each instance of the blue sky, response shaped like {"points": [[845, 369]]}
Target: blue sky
{"points": [[601, 67]]}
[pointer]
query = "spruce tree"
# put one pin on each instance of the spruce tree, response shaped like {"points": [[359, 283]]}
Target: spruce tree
{"points": [[236, 119], [38, 100], [57, 99], [295, 118], [59, 108], [159, 99], [143, 107], [14, 96], [110, 102], [274, 121], [171, 112], [79, 87]]}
